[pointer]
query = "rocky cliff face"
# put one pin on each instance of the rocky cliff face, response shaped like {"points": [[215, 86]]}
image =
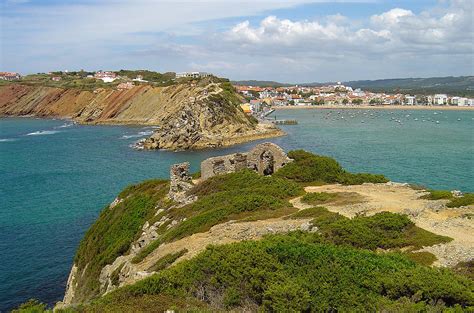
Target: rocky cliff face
{"points": [[190, 115]]}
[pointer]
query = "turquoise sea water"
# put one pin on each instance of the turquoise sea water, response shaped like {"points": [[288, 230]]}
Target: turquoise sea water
{"points": [[55, 177]]}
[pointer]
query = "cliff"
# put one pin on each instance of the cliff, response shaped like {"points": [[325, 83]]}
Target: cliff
{"points": [[190, 115], [274, 246]]}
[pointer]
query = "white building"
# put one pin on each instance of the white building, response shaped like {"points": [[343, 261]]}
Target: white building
{"points": [[460, 101], [440, 99], [192, 75], [410, 100], [106, 77]]}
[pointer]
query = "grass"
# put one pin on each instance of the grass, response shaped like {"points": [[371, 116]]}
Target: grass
{"points": [[296, 272], [455, 202], [334, 198], [422, 257], [167, 260], [244, 195], [316, 169], [466, 269], [113, 232]]}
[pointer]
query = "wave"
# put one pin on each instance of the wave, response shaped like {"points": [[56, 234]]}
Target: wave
{"points": [[65, 125], [43, 132], [140, 134], [7, 139]]}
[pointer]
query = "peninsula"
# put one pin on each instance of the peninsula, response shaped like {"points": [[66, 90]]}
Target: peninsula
{"points": [[266, 230], [190, 112]]}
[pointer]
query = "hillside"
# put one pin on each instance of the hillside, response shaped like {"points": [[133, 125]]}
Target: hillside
{"points": [[190, 114], [310, 237], [460, 86]]}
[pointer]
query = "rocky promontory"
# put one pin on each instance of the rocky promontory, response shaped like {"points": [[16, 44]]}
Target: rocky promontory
{"points": [[189, 115]]}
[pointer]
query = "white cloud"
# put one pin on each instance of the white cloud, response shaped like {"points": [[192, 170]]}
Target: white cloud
{"points": [[395, 31]]}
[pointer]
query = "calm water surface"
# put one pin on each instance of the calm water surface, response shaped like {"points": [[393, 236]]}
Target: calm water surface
{"points": [[55, 177]]}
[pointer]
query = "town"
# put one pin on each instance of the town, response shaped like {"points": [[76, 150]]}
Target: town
{"points": [[258, 100], [338, 95]]}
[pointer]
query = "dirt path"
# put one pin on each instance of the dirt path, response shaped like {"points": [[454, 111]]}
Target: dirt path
{"points": [[218, 235], [433, 216]]}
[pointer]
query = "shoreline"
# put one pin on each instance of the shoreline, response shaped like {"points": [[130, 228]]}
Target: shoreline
{"points": [[370, 107]]}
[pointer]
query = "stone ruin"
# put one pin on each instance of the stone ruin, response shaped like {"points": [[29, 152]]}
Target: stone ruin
{"points": [[180, 183], [265, 159]]}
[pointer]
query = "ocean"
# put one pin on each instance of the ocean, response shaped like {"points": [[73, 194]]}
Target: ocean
{"points": [[56, 176]]}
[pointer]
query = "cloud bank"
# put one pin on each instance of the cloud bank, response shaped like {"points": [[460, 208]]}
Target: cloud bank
{"points": [[224, 37]]}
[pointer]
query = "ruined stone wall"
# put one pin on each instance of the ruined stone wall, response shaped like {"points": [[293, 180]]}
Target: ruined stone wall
{"points": [[265, 159], [223, 164]]}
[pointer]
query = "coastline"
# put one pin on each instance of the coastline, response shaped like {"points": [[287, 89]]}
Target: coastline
{"points": [[381, 107]]}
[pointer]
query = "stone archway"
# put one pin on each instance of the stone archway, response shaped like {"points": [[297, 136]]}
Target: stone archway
{"points": [[266, 163], [267, 158]]}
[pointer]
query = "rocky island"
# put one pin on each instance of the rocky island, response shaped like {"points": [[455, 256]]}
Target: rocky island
{"points": [[189, 114], [266, 230]]}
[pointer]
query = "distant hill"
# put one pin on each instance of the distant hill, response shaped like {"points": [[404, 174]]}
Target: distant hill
{"points": [[462, 85]]}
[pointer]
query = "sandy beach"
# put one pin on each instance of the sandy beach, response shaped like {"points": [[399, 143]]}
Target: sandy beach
{"points": [[381, 107]]}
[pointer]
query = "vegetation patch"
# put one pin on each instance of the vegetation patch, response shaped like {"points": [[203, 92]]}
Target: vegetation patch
{"points": [[383, 230], [465, 200], [167, 260], [311, 168], [113, 232], [455, 202], [335, 198], [422, 257], [466, 269], [244, 195], [296, 272], [437, 195]]}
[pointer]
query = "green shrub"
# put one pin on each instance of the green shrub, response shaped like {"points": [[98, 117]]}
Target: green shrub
{"points": [[437, 195], [383, 230], [466, 269], [233, 196], [312, 168], [31, 306], [465, 200], [285, 272], [113, 232]]}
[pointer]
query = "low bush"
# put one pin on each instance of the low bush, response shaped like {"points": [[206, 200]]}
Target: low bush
{"points": [[233, 196], [465, 200], [437, 195], [383, 230], [113, 232], [288, 271], [316, 169]]}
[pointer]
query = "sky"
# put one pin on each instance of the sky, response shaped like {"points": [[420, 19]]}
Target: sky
{"points": [[281, 40]]}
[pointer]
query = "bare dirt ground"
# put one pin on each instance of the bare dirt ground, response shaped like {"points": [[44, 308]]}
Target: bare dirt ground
{"points": [[432, 215]]}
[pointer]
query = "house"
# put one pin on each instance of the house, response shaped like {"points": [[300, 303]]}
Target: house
{"points": [[256, 105], [106, 77], [459, 101], [139, 79], [9, 76], [56, 78], [410, 100], [192, 75], [440, 99], [246, 108]]}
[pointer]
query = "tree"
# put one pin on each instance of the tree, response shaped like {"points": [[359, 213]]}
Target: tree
{"points": [[345, 101]]}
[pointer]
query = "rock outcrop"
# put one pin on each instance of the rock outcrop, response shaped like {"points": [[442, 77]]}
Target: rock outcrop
{"points": [[189, 115]]}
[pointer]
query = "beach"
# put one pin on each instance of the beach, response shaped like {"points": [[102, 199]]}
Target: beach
{"points": [[376, 107]]}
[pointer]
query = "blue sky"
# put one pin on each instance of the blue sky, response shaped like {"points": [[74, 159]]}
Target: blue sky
{"points": [[283, 40]]}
